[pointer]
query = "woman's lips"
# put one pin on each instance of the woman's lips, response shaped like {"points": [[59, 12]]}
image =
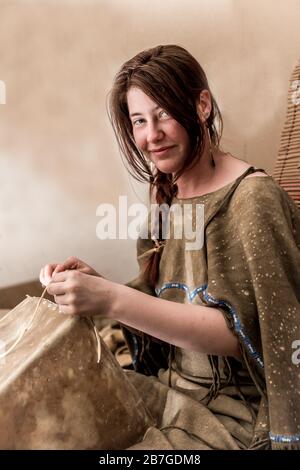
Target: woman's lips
{"points": [[163, 150]]}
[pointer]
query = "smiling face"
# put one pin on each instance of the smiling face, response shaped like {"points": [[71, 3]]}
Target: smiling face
{"points": [[157, 134]]}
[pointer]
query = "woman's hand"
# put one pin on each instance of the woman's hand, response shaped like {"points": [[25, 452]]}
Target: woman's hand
{"points": [[78, 293], [47, 271]]}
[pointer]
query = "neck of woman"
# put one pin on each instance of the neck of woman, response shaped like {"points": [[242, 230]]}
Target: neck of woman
{"points": [[200, 177]]}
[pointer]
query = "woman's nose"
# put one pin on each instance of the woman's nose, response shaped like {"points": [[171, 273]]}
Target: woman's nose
{"points": [[155, 133]]}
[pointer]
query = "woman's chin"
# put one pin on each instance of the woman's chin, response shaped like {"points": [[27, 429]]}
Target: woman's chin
{"points": [[167, 167]]}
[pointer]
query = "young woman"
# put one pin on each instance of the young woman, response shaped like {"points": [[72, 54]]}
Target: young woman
{"points": [[217, 323]]}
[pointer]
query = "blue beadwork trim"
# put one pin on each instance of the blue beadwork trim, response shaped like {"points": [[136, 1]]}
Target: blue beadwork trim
{"points": [[219, 303], [284, 439], [184, 287], [237, 326]]}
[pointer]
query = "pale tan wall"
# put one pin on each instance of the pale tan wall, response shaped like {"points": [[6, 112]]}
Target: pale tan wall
{"points": [[58, 157]]}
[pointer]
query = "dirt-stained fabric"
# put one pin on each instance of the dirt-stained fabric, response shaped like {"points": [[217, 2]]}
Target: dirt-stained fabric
{"points": [[54, 394]]}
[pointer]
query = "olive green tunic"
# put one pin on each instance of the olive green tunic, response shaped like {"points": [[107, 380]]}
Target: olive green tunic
{"points": [[249, 268]]}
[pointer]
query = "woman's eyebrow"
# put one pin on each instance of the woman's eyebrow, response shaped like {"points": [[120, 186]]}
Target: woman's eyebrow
{"points": [[139, 114]]}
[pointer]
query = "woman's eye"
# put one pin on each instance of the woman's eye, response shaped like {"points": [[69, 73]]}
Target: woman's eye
{"points": [[164, 112], [137, 122]]}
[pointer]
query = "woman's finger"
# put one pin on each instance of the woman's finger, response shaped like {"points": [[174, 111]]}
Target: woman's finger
{"points": [[60, 268], [72, 262], [59, 277], [68, 265], [56, 288], [66, 310], [48, 272], [61, 299]]}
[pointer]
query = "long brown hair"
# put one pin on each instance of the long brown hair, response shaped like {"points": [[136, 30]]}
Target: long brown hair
{"points": [[174, 79]]}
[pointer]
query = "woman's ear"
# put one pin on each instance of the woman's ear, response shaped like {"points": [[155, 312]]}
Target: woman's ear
{"points": [[204, 105]]}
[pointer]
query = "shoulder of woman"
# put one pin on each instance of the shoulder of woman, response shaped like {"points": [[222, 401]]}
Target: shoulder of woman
{"points": [[260, 192], [258, 186]]}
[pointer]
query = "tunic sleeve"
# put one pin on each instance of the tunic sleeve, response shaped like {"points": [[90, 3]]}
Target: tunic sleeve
{"points": [[257, 279]]}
